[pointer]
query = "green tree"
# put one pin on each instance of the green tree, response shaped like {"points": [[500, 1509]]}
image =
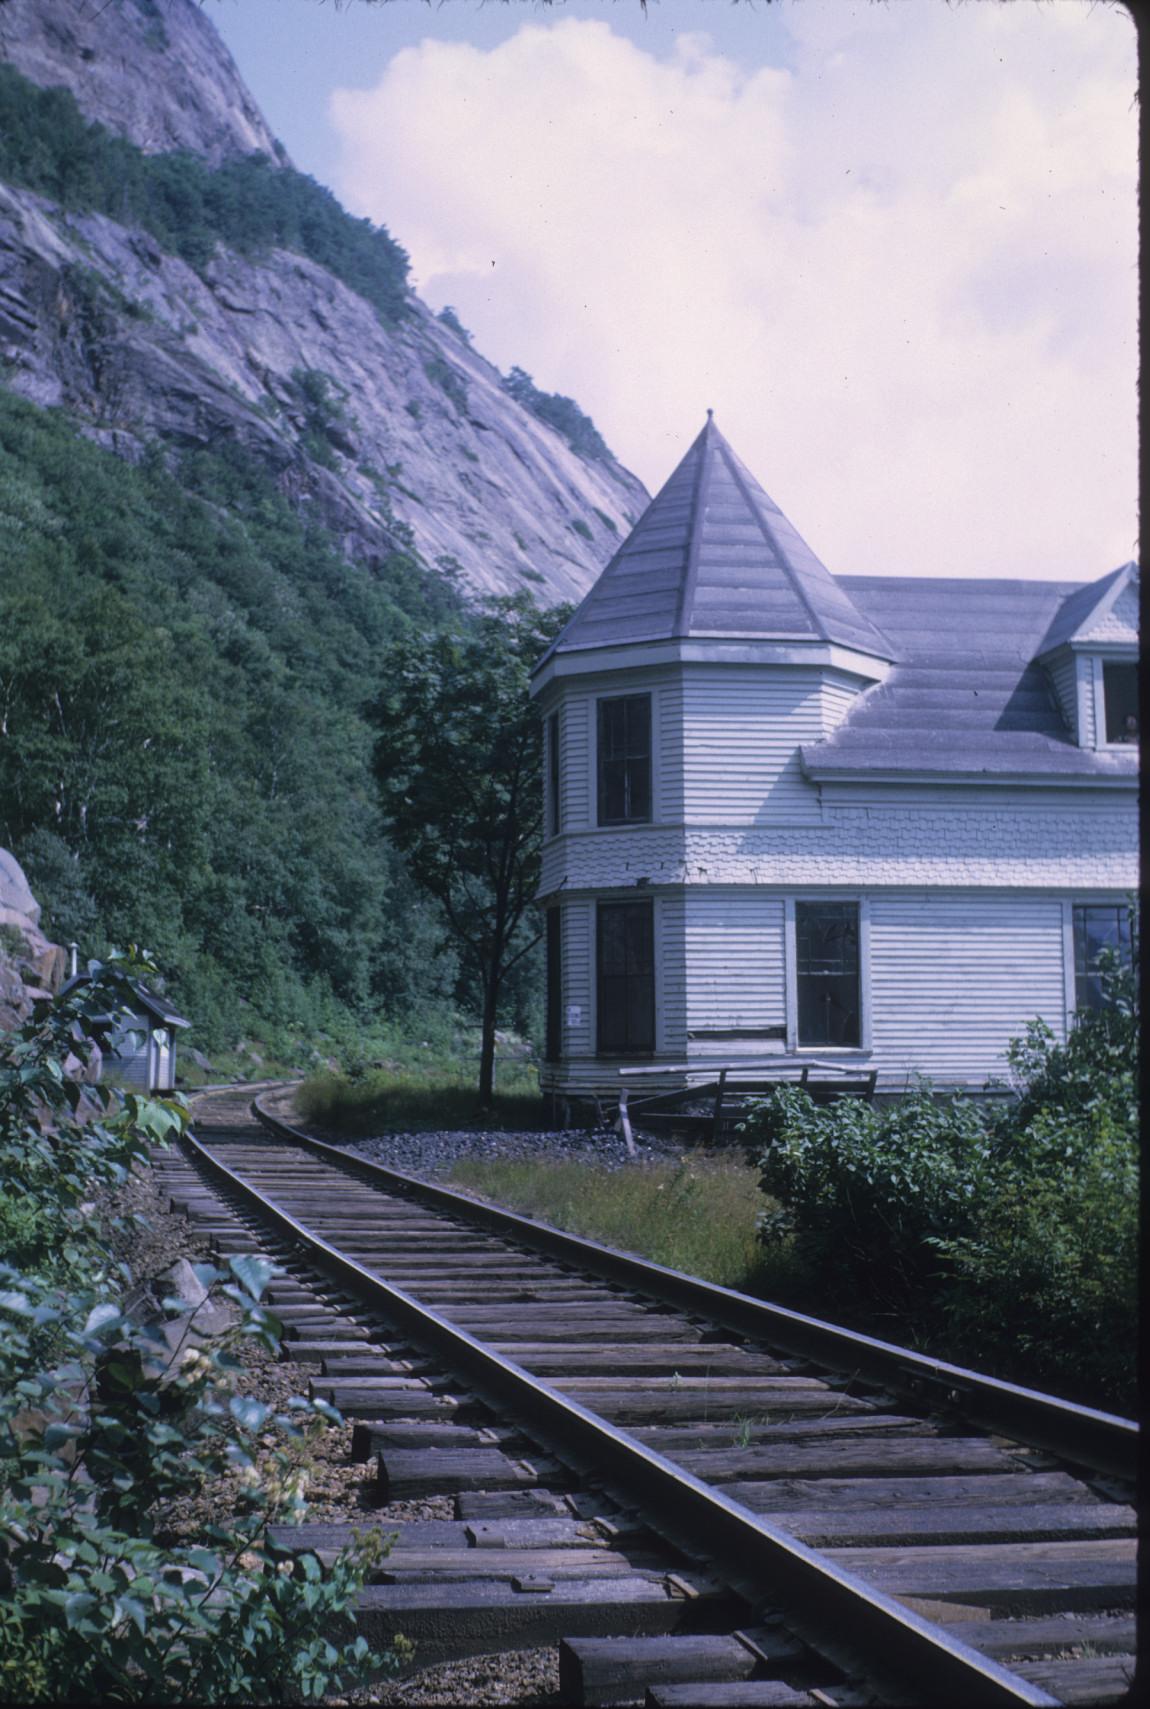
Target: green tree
{"points": [[183, 754], [459, 768]]}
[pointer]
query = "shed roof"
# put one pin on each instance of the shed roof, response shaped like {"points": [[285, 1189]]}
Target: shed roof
{"points": [[968, 695], [713, 557], [150, 1001]]}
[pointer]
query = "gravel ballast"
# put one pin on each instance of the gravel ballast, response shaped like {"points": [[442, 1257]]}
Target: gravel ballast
{"points": [[433, 1154], [339, 1492]]}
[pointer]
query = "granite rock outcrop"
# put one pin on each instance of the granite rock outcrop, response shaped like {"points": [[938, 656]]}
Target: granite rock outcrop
{"points": [[417, 443]]}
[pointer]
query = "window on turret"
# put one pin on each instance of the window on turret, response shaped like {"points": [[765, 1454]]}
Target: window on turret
{"points": [[827, 941], [1120, 690], [553, 810], [625, 759]]}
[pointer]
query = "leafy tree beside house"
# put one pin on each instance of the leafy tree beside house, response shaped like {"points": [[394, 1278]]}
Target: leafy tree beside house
{"points": [[458, 762]]}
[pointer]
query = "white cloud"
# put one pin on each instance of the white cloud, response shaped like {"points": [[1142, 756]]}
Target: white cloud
{"points": [[902, 270]]}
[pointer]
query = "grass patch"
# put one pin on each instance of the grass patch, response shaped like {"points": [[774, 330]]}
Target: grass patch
{"points": [[415, 1097], [697, 1215]]}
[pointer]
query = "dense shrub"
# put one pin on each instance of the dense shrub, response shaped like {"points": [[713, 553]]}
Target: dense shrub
{"points": [[104, 1432], [866, 1188], [1008, 1240], [561, 413]]}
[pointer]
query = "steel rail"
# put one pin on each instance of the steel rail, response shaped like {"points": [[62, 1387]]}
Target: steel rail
{"points": [[1101, 1441], [910, 1649]]}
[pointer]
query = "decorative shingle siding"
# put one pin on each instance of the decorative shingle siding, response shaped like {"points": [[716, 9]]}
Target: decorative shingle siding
{"points": [[1067, 845], [1120, 623], [954, 978]]}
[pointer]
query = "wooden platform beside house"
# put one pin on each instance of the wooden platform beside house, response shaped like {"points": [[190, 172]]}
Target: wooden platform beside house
{"points": [[727, 1099]]}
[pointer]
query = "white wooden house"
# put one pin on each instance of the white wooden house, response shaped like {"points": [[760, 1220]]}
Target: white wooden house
{"points": [[870, 821]]}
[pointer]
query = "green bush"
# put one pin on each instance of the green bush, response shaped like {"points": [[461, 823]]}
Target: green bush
{"points": [[1046, 1286], [449, 380], [1007, 1240], [561, 413], [109, 1421], [866, 1188]]}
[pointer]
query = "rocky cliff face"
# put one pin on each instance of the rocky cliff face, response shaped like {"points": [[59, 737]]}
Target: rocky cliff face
{"points": [[153, 70], [388, 435], [30, 966]]}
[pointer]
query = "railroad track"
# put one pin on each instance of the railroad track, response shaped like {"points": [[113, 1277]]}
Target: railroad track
{"points": [[704, 1499]]}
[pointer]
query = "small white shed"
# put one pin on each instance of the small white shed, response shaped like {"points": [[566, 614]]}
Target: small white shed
{"points": [[143, 1046]]}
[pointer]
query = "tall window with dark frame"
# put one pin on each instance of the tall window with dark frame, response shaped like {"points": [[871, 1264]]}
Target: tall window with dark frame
{"points": [[1098, 926], [625, 759], [625, 959], [553, 1040], [554, 815], [1120, 693], [827, 969]]}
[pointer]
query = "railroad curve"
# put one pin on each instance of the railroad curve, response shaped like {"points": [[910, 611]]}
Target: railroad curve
{"points": [[792, 1513]]}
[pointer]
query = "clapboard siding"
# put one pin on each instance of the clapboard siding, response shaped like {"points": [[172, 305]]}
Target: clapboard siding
{"points": [[953, 978], [1120, 623], [1087, 731], [734, 960], [578, 973], [127, 1061], [667, 735], [837, 697], [671, 974], [741, 735], [1064, 675], [575, 765]]}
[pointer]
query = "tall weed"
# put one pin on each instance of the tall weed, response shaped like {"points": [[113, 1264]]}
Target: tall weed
{"points": [[697, 1215]]}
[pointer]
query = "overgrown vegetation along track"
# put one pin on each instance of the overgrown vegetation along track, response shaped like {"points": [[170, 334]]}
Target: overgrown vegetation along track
{"points": [[884, 1533]]}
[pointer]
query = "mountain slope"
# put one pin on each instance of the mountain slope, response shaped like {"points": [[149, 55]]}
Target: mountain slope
{"points": [[384, 426], [153, 70]]}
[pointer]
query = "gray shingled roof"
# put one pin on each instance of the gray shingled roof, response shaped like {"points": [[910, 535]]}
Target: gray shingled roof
{"points": [[967, 696], [1074, 612], [713, 556], [158, 1007]]}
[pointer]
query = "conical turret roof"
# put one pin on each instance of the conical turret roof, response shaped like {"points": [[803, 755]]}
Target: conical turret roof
{"points": [[713, 557]]}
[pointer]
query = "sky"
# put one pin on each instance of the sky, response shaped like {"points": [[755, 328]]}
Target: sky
{"points": [[892, 245]]}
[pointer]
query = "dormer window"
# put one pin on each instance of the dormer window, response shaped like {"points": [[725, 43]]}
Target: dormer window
{"points": [[1120, 698]]}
